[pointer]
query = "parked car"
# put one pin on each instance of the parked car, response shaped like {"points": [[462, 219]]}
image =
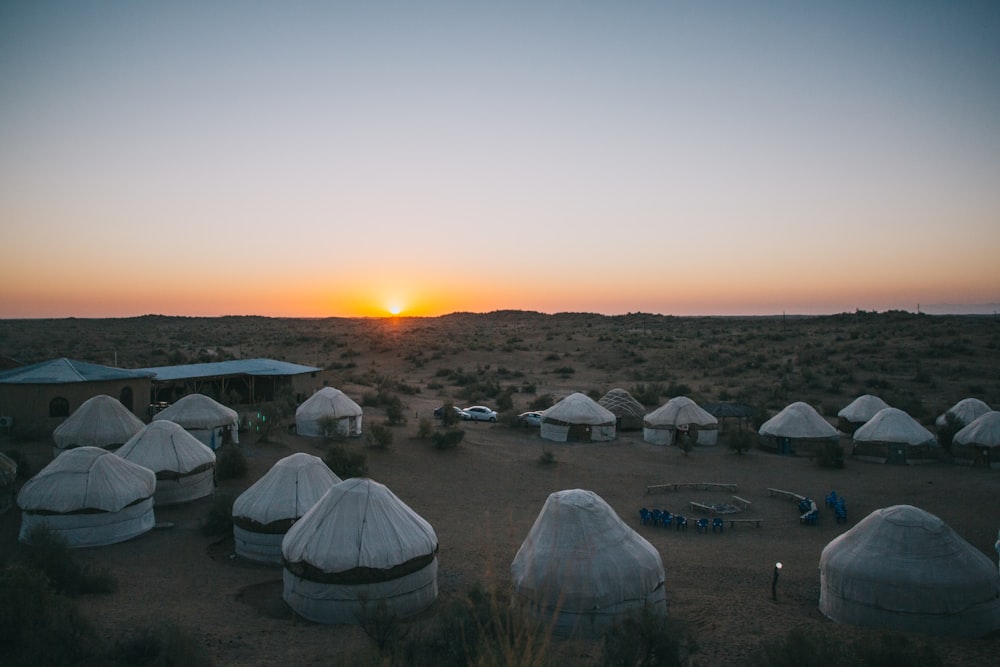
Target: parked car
{"points": [[532, 418], [459, 412], [481, 413]]}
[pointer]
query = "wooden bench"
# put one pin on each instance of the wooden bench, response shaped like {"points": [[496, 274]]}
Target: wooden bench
{"points": [[785, 494], [742, 502], [690, 485], [756, 522]]}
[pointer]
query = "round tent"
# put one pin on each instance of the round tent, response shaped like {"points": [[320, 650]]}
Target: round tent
{"points": [[978, 443], [966, 410], [578, 418], [581, 568], [797, 428], [858, 411], [360, 551], [100, 421], [204, 418], [892, 436], [184, 467], [264, 512], [328, 412], [90, 497], [626, 409], [680, 415], [904, 569]]}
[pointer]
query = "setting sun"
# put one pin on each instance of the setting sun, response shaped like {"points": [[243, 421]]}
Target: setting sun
{"points": [[395, 310]]}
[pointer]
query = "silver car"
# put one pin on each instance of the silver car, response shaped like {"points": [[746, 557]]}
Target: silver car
{"points": [[533, 418], [481, 413]]}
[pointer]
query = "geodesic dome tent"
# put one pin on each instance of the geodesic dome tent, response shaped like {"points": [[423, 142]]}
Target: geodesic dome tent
{"points": [[90, 497], [578, 418], [892, 436], [328, 412], [978, 443], [680, 415], [264, 512], [797, 428], [858, 411], [184, 467], [904, 569], [966, 410], [359, 552], [625, 408], [100, 421], [581, 568], [204, 418]]}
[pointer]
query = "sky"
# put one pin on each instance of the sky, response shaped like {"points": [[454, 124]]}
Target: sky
{"points": [[314, 159]]}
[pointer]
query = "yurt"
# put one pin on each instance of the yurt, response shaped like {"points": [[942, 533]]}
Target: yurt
{"points": [[581, 568], [89, 496], [578, 418], [360, 551], [100, 421], [8, 480], [327, 413], [184, 467], [901, 568], [627, 410], [797, 429], [264, 512], [858, 411], [978, 444], [892, 436], [204, 418], [966, 410], [680, 417]]}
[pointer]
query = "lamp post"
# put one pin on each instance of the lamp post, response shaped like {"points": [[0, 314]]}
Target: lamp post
{"points": [[774, 581]]}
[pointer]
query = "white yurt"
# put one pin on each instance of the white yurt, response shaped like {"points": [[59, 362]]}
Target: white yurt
{"points": [[966, 410], [328, 412], [578, 418], [680, 415], [89, 496], [100, 421], [798, 428], [978, 444], [581, 568], [625, 408], [902, 568], [892, 436], [360, 551], [264, 512], [204, 418], [184, 467], [858, 411]]}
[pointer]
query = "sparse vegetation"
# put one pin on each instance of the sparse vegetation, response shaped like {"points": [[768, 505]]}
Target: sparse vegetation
{"points": [[219, 520], [344, 463], [447, 439], [378, 436], [230, 463]]}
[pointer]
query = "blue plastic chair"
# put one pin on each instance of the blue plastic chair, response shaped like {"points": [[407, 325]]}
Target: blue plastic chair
{"points": [[702, 525], [644, 516], [667, 519], [681, 523], [718, 524]]}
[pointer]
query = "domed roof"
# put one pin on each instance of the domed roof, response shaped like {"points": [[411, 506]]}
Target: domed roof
{"points": [[163, 446], [100, 421], [798, 420], [287, 491]]}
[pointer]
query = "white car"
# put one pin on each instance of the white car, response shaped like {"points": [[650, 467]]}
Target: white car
{"points": [[481, 413], [533, 418]]}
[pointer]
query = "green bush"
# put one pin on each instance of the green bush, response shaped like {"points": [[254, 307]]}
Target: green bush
{"points": [[643, 639], [394, 411], [424, 428], [831, 455], [166, 645], [547, 458], [379, 436], [230, 463], [447, 439], [346, 464], [802, 648], [542, 402], [219, 520], [50, 554]]}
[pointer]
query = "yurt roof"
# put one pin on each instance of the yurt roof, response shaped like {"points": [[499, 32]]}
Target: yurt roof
{"points": [[579, 408], [359, 523], [287, 491], [622, 404], [581, 555], [966, 409], [678, 411], [862, 408], [983, 431], [894, 425], [86, 478], [328, 402], [63, 371], [163, 446], [198, 411], [798, 420], [100, 421]]}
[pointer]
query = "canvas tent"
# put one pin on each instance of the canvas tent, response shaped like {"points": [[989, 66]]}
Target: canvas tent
{"points": [[90, 497], [359, 552], [184, 467], [578, 418], [680, 415], [264, 512], [328, 412], [966, 410], [100, 421], [892, 436], [625, 408], [797, 428], [581, 568], [978, 444], [204, 418], [858, 411], [904, 569]]}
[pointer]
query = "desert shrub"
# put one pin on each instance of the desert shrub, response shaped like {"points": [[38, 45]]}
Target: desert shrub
{"points": [[542, 402], [546, 458], [394, 411], [161, 646], [219, 520], [740, 441], [50, 554], [230, 463], [643, 639], [424, 428], [831, 455], [647, 394], [447, 439], [329, 427], [564, 371], [346, 464], [892, 649], [23, 466], [448, 416], [379, 436], [801, 648], [505, 402], [952, 425]]}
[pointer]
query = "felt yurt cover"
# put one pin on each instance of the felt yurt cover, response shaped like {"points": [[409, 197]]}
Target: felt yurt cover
{"points": [[203, 417], [358, 552], [798, 420], [967, 410], [582, 568], [328, 408], [861, 409], [903, 568], [100, 421], [894, 426], [90, 497], [979, 441], [184, 467], [577, 417], [264, 512], [624, 407], [659, 426]]}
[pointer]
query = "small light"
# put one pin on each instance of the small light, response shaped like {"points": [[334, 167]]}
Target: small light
{"points": [[778, 565]]}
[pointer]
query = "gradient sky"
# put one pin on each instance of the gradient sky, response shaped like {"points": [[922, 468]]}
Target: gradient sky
{"points": [[345, 158]]}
